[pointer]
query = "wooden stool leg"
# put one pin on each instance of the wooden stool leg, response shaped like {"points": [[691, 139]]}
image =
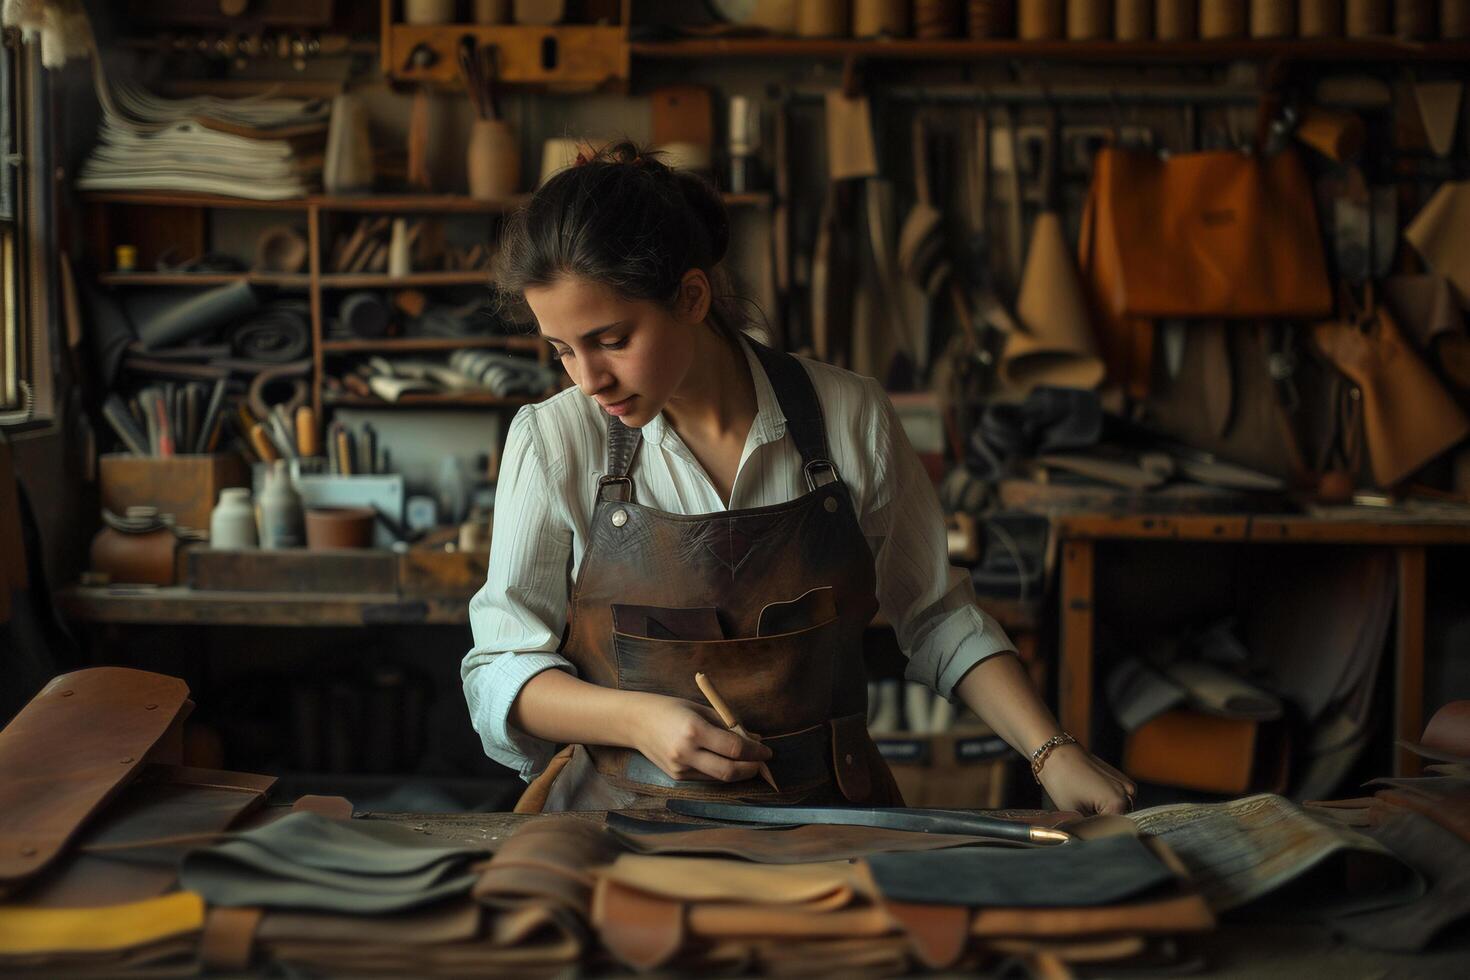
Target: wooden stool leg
{"points": [[1408, 720]]}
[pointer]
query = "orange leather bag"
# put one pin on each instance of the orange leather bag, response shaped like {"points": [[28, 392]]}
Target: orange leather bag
{"points": [[1220, 235]]}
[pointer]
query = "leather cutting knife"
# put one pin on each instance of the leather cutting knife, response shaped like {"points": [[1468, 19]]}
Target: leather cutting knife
{"points": [[890, 818]]}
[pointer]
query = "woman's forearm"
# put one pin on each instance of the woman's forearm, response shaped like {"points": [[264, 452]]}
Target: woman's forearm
{"points": [[998, 690], [561, 708]]}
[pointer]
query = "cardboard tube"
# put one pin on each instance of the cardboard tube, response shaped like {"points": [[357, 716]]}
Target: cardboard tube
{"points": [[990, 18], [1133, 20], [1413, 20], [1273, 18], [1221, 20], [1089, 20], [1041, 20], [1367, 18]]}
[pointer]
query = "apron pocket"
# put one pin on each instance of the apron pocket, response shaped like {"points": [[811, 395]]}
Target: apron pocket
{"points": [[773, 684]]}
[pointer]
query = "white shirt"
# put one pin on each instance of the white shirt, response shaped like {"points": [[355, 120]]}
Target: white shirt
{"points": [[554, 454]]}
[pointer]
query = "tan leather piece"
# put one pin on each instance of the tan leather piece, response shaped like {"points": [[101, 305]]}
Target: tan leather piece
{"points": [[767, 921], [938, 932], [69, 751], [1408, 417], [1185, 912], [533, 800], [829, 885], [228, 942], [642, 930], [331, 807]]}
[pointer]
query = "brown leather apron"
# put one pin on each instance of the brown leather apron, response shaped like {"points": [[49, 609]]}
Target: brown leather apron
{"points": [[803, 690]]}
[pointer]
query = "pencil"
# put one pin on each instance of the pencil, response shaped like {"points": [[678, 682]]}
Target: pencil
{"points": [[722, 709]]}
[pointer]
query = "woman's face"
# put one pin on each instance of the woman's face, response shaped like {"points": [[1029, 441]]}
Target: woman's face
{"points": [[628, 355]]}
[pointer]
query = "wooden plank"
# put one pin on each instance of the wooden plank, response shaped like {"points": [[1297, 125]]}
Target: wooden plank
{"points": [[178, 605], [436, 343], [1408, 715], [185, 486], [1077, 614], [296, 571], [1124, 52], [1379, 529], [444, 573], [585, 55]]}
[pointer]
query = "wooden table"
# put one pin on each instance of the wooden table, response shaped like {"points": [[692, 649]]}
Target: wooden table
{"points": [[1409, 538]]}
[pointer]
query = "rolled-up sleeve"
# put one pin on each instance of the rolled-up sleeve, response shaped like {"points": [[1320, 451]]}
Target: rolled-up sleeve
{"points": [[518, 616], [930, 603]]}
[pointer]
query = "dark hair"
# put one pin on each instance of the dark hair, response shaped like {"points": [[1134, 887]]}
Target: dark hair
{"points": [[624, 219]]}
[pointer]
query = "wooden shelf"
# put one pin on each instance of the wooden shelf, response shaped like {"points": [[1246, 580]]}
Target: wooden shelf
{"points": [[461, 400], [363, 280], [431, 344], [325, 202], [285, 280], [1344, 49]]}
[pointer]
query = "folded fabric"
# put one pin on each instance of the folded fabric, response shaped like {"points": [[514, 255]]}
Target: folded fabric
{"points": [[1218, 691], [503, 374], [309, 862], [1081, 873], [1138, 693], [110, 928]]}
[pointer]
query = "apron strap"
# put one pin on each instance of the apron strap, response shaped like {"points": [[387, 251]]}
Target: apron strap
{"points": [[799, 404], [622, 447], [798, 400]]}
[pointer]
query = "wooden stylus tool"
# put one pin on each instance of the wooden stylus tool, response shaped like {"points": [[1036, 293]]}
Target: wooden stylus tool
{"points": [[722, 709]]}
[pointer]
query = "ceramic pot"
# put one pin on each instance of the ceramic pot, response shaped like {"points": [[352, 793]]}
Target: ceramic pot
{"points": [[492, 160], [232, 524], [339, 527], [137, 549]]}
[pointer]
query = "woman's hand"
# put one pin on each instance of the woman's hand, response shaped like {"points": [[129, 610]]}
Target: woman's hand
{"points": [[687, 740], [1075, 779]]}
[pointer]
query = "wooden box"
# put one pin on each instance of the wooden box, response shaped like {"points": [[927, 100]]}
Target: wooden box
{"points": [[964, 769], [185, 486]]}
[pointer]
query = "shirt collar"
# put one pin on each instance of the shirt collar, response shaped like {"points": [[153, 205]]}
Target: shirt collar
{"points": [[769, 424]]}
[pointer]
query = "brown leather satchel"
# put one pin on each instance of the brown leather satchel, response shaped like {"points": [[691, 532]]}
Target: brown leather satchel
{"points": [[1408, 416], [1218, 235]]}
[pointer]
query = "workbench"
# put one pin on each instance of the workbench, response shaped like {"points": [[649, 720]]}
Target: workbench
{"points": [[1078, 538]]}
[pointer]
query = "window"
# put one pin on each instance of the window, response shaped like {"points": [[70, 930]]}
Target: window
{"points": [[26, 378]]}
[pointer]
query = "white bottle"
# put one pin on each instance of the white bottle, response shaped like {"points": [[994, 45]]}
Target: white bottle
{"points": [[282, 524], [232, 522]]}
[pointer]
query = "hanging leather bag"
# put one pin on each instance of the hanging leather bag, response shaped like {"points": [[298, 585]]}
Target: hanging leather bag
{"points": [[1219, 234]]}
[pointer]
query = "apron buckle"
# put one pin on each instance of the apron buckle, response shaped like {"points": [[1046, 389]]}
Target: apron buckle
{"points": [[607, 481], [828, 474]]}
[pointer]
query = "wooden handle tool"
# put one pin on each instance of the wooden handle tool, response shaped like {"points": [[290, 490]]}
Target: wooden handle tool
{"points": [[707, 687], [307, 437], [261, 440]]}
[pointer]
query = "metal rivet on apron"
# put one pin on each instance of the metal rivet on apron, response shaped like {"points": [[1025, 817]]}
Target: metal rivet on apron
{"points": [[831, 504], [619, 518], [848, 758]]}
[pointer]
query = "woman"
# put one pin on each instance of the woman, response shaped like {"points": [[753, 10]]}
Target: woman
{"points": [[700, 503]]}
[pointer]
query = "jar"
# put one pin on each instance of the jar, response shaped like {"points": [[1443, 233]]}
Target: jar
{"points": [[1222, 20], [1041, 20], [1089, 20], [232, 523], [1133, 20], [1273, 18]]}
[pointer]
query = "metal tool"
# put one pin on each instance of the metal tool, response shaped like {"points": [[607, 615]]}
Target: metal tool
{"points": [[891, 818]]}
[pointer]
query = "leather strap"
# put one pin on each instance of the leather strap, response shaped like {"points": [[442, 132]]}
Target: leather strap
{"points": [[83, 737], [98, 929], [938, 932], [643, 931], [229, 938], [799, 404]]}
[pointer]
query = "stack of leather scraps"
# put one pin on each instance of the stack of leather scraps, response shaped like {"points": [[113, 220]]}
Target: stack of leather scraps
{"points": [[846, 900], [1425, 821]]}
